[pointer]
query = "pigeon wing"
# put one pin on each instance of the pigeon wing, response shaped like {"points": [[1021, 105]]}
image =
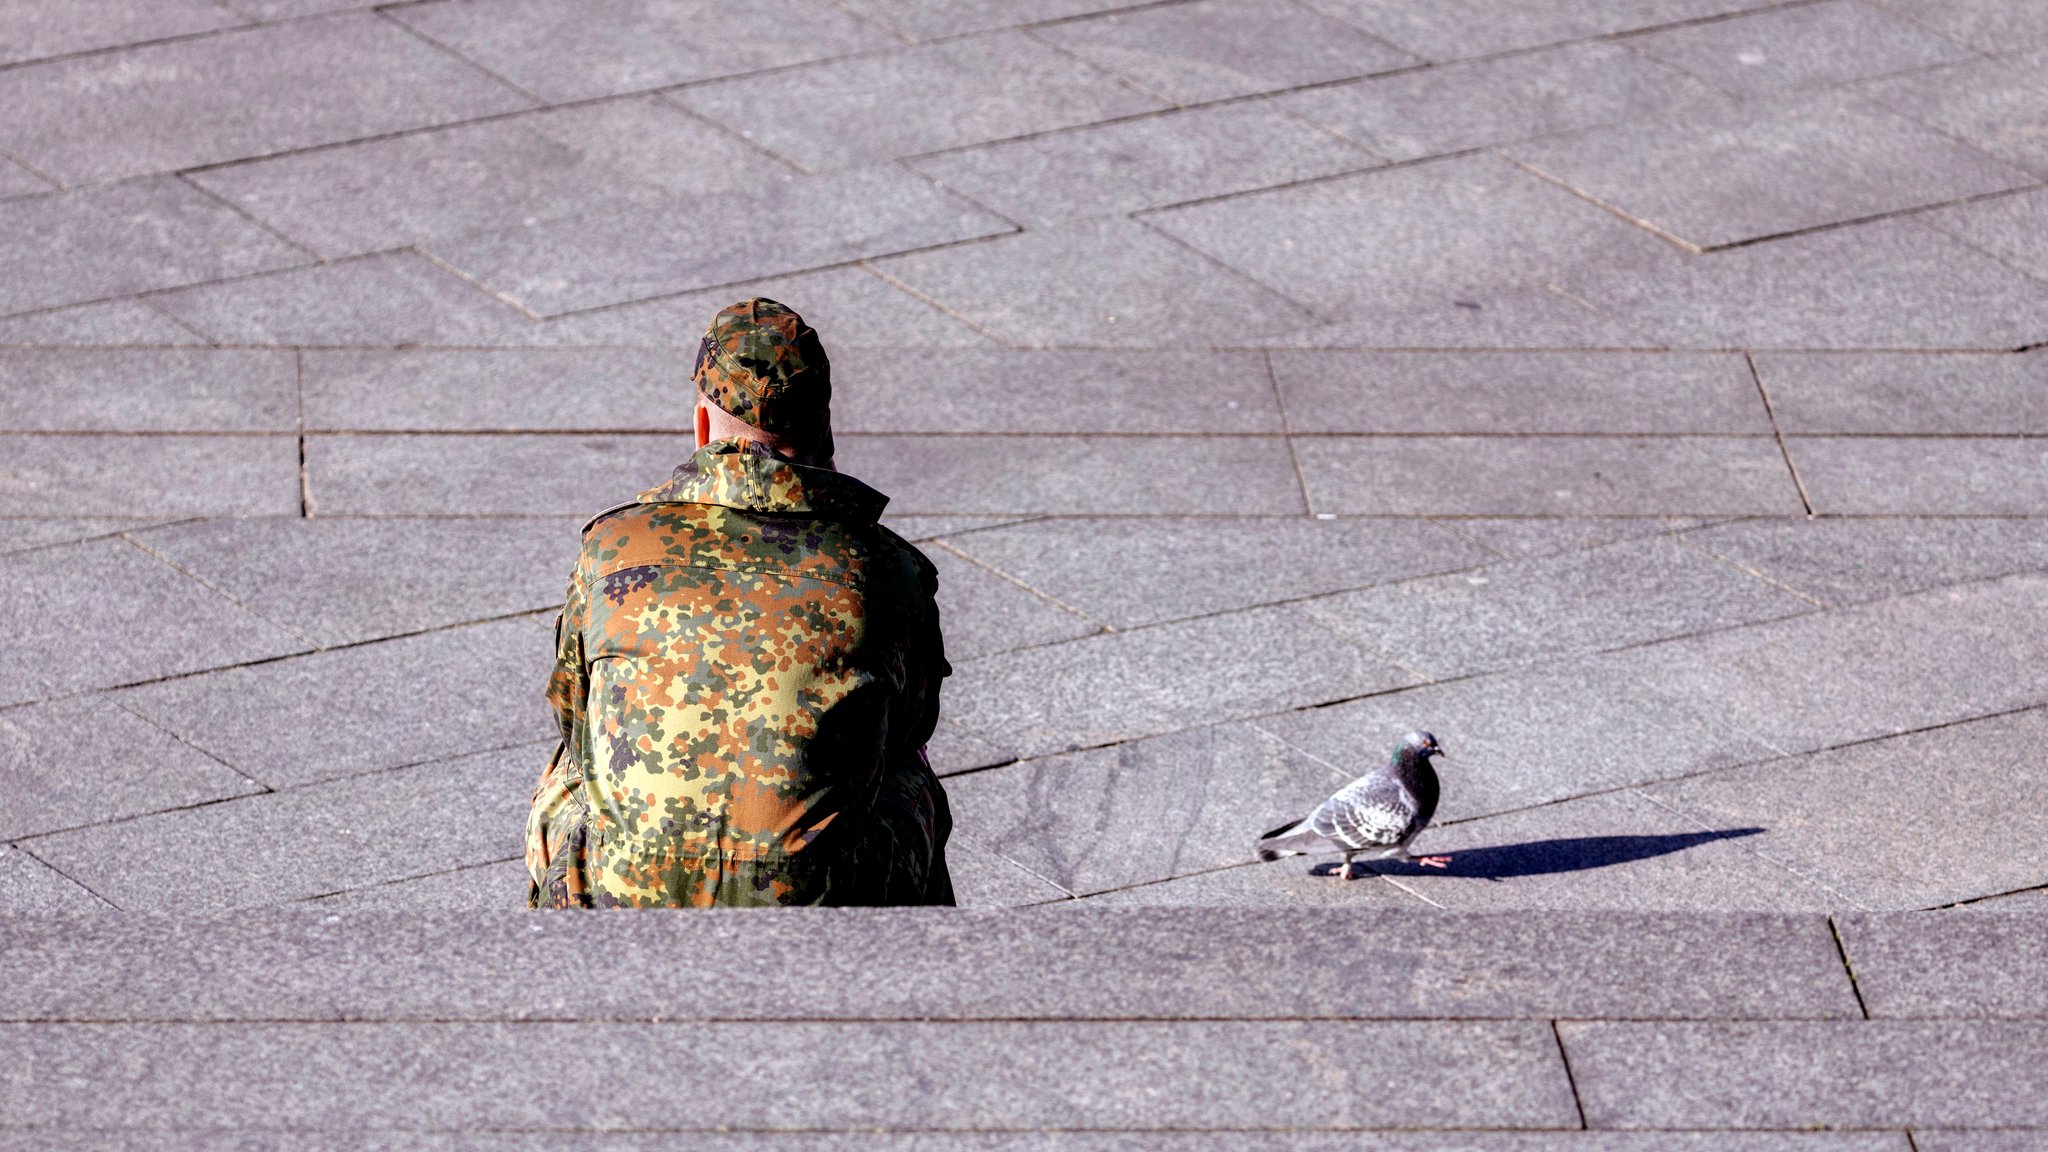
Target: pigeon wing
{"points": [[1371, 812]]}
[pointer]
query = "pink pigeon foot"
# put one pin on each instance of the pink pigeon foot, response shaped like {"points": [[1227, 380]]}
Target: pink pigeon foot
{"points": [[1433, 861]]}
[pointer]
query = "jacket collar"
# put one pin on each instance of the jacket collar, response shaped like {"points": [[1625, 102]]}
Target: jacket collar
{"points": [[742, 474]]}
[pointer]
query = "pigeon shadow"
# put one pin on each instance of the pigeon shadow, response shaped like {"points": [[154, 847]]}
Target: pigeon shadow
{"points": [[1545, 857]]}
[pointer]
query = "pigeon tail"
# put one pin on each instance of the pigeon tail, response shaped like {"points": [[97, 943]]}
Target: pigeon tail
{"points": [[1290, 839]]}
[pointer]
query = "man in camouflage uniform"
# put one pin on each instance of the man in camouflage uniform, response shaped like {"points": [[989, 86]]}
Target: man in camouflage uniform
{"points": [[747, 668]]}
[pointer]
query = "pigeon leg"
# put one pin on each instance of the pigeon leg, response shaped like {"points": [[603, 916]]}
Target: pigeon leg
{"points": [[1433, 861], [1347, 866]]}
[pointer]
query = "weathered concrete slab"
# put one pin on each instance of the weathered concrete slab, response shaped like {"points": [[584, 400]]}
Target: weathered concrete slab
{"points": [[109, 322], [1944, 967], [88, 760], [1144, 163], [38, 30], [1798, 48], [158, 475], [1032, 475], [849, 306], [1074, 392], [27, 885], [985, 612], [307, 841], [147, 390], [1842, 562], [526, 390], [1216, 49], [1934, 476], [2008, 227], [396, 299], [519, 475], [238, 94], [366, 708], [1907, 394], [1859, 1074], [2001, 106]]}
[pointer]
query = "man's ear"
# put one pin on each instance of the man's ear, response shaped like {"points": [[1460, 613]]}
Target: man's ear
{"points": [[703, 417]]}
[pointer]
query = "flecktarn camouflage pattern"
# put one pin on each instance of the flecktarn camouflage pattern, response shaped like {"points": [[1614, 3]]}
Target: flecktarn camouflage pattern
{"points": [[760, 362], [747, 670]]}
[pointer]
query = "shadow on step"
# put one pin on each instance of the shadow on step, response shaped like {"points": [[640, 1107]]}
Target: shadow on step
{"points": [[1546, 857]]}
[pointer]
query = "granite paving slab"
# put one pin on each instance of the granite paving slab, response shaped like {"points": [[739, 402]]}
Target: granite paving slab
{"points": [[1283, 883], [1870, 475], [309, 841], [239, 94], [35, 30], [1500, 101], [916, 20], [1107, 689], [1879, 822], [1216, 49], [948, 95], [18, 534], [1528, 737], [2033, 900], [562, 50], [1144, 163], [347, 581], [954, 750], [1800, 47], [27, 885], [109, 322], [1546, 476], [1455, 29], [105, 612], [1101, 282], [985, 612], [387, 193], [16, 180], [2008, 227], [1857, 1074], [1031, 475], [1989, 25], [157, 476], [787, 224], [147, 390], [1518, 392], [1731, 176], [849, 306], [982, 879], [1926, 1140], [484, 475], [896, 1075], [1075, 392], [1891, 284], [1521, 537], [1947, 967], [396, 299], [2000, 106], [293, 9], [499, 885], [527, 390], [1077, 960], [920, 529], [1841, 562], [93, 243], [88, 760], [355, 710], [1143, 811], [1910, 394], [1129, 572]]}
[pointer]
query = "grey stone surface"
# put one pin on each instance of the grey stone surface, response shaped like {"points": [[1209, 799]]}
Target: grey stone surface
{"points": [[563, 50], [1723, 176], [2008, 227], [948, 95], [1489, 392], [1797, 47], [19, 534], [165, 476], [27, 885], [1101, 282], [1529, 737], [1889, 284], [849, 306], [1857, 1074], [1990, 25], [1131, 572], [1283, 883], [954, 750], [109, 322], [305, 842], [1858, 560], [1032, 1075], [999, 390], [920, 529], [1144, 811], [347, 581], [526, 390], [787, 224], [87, 761], [16, 180], [35, 30], [519, 475], [2033, 900], [1521, 537], [1144, 163], [390, 192], [1215, 49], [293, 9], [1869, 475], [1546, 476], [147, 390], [93, 243], [104, 612], [1946, 967], [1453, 29], [395, 299], [239, 94], [1027, 475], [1106, 689], [501, 884], [2001, 106], [344, 713], [1500, 101], [1926, 1140], [923, 20], [1876, 821], [982, 879], [985, 612], [1908, 394]]}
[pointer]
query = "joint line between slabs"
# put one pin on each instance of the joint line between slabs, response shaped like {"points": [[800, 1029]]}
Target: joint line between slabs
{"points": [[1570, 1077], [1848, 969], [1784, 449], [305, 481], [1035, 591], [1287, 431]]}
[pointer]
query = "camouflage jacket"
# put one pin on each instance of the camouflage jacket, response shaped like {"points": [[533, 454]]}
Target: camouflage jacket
{"points": [[747, 669]]}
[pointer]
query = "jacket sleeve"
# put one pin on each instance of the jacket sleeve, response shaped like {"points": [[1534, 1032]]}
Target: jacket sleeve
{"points": [[569, 682]]}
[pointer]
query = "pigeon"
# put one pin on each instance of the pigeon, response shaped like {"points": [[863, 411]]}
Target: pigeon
{"points": [[1378, 813]]}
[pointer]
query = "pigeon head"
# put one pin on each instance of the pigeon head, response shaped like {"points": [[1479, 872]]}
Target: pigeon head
{"points": [[1418, 745]]}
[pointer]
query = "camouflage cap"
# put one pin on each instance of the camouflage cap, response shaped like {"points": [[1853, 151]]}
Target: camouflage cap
{"points": [[760, 362]]}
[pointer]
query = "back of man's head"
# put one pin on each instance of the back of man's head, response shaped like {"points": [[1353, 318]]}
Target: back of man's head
{"points": [[761, 365]]}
